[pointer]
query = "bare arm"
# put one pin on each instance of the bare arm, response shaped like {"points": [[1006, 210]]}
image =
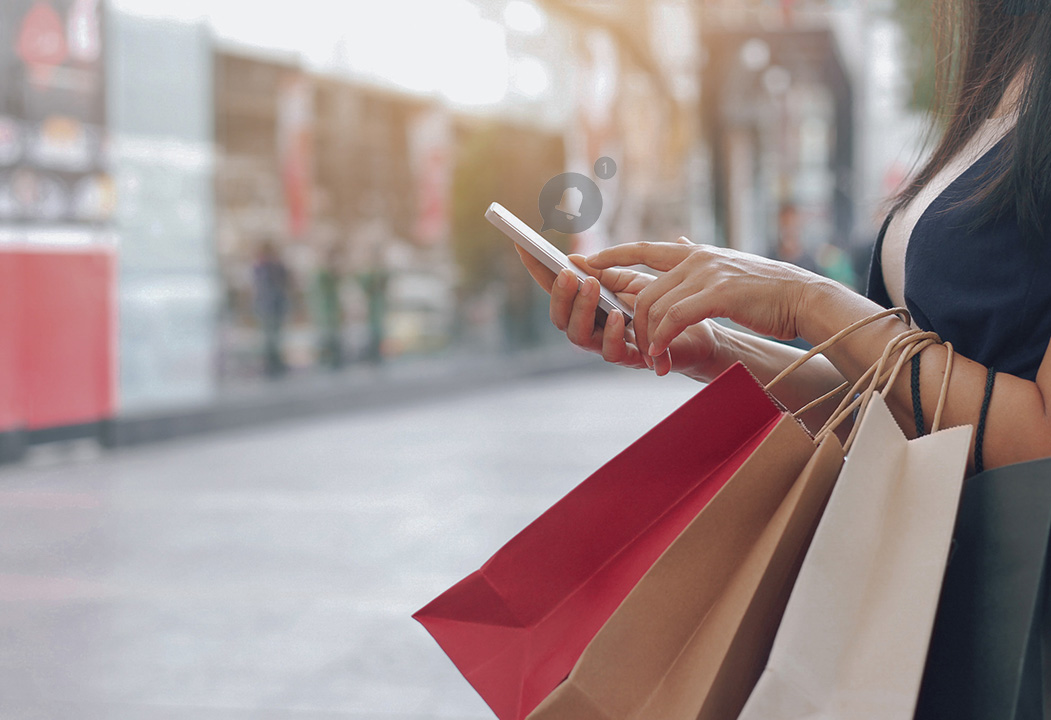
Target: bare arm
{"points": [[778, 300], [1018, 424]]}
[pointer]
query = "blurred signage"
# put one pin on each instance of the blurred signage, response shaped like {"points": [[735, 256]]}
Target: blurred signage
{"points": [[430, 139], [54, 169], [295, 143]]}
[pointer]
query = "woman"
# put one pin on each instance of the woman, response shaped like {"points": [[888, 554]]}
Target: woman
{"points": [[976, 224]]}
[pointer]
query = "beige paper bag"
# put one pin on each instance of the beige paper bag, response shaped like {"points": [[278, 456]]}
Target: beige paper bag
{"points": [[854, 637], [692, 637]]}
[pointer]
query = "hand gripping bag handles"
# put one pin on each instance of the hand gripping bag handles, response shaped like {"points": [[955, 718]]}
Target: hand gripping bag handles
{"points": [[854, 636], [986, 658], [693, 636], [516, 627]]}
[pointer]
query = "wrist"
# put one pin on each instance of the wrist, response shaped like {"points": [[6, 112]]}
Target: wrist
{"points": [[714, 353], [818, 300]]}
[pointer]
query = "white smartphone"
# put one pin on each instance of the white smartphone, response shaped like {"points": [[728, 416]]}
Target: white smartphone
{"points": [[553, 259]]}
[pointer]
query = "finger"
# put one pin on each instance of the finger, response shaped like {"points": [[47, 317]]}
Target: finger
{"points": [[689, 311], [563, 294], [543, 277], [581, 327], [643, 301], [615, 279], [658, 308], [662, 363], [615, 345], [614, 349], [659, 256]]}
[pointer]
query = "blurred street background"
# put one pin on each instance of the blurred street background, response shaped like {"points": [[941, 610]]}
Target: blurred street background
{"points": [[272, 574], [255, 232]]}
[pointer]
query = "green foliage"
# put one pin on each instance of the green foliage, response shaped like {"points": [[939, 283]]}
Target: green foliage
{"points": [[497, 163], [916, 18]]}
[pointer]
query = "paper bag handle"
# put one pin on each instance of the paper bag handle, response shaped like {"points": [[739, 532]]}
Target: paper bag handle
{"points": [[910, 343], [818, 349], [872, 380]]}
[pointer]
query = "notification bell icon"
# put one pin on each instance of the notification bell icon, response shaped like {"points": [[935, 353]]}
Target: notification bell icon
{"points": [[570, 203]]}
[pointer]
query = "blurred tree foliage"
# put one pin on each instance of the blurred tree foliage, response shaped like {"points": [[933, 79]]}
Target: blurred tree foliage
{"points": [[509, 165], [504, 164], [916, 18]]}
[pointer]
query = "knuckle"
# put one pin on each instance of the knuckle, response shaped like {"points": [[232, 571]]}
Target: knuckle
{"points": [[676, 314], [654, 313]]}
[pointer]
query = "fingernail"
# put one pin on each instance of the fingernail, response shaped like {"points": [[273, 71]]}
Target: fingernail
{"points": [[588, 289], [653, 350], [563, 279]]}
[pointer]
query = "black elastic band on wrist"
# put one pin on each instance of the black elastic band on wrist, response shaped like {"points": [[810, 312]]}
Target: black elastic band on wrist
{"points": [[979, 439], [917, 406]]}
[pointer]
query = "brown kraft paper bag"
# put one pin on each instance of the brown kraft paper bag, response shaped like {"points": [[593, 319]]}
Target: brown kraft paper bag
{"points": [[693, 636]]}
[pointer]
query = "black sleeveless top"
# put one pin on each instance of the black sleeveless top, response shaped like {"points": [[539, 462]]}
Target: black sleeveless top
{"points": [[981, 289]]}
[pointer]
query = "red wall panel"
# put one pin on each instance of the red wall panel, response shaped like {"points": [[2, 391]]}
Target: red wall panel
{"points": [[11, 409], [67, 330], [57, 329]]}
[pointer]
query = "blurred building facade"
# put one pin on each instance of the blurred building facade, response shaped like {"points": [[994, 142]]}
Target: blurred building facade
{"points": [[228, 168], [57, 204]]}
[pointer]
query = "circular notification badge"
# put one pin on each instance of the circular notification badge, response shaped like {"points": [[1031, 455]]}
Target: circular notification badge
{"points": [[605, 167], [570, 203]]}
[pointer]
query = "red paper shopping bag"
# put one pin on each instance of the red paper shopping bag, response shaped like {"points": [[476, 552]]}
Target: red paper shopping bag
{"points": [[516, 627]]}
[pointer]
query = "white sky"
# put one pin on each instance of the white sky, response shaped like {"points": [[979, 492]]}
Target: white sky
{"points": [[440, 47]]}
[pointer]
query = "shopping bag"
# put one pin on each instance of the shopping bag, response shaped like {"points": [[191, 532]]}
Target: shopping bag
{"points": [[985, 657], [692, 637], [515, 627], [853, 638]]}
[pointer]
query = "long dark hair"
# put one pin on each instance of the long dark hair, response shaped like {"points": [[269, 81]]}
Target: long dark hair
{"points": [[981, 45]]}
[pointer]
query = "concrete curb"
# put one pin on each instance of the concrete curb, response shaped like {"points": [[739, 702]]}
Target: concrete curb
{"points": [[355, 390]]}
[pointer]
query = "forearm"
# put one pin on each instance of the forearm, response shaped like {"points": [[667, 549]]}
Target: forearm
{"points": [[767, 358], [1018, 424]]}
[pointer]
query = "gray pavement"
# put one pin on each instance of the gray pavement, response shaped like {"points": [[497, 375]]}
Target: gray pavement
{"points": [[271, 572]]}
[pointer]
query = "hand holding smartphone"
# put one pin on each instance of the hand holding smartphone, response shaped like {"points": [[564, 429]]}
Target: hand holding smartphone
{"points": [[551, 257]]}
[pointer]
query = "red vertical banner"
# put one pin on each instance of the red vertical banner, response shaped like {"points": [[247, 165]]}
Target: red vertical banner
{"points": [[430, 142], [295, 149]]}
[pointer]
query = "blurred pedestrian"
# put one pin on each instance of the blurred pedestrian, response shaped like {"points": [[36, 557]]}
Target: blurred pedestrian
{"points": [[790, 246], [272, 290], [328, 310], [374, 281], [835, 264]]}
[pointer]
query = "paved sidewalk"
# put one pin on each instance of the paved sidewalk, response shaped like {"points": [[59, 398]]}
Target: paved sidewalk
{"points": [[271, 573]]}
